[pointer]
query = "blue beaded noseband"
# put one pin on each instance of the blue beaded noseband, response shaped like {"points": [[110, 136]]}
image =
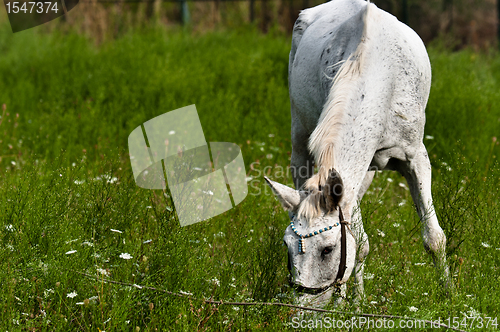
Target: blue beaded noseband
{"points": [[302, 237]]}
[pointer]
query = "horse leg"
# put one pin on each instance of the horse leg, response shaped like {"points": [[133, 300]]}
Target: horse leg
{"points": [[301, 161], [362, 239], [417, 172]]}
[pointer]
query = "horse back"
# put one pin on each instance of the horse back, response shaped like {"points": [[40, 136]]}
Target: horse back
{"points": [[393, 83]]}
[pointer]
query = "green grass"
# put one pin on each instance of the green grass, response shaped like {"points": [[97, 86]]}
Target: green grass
{"points": [[70, 107]]}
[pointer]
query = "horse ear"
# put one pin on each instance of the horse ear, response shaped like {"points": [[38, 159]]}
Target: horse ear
{"points": [[333, 190], [288, 197]]}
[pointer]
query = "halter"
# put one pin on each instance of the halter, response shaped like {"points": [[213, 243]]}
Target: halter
{"points": [[343, 242]]}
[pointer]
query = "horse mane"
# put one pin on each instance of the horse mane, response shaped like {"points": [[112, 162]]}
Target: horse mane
{"points": [[327, 133], [310, 207]]}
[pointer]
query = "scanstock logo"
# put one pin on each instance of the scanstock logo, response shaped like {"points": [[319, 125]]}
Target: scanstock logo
{"points": [[204, 180]]}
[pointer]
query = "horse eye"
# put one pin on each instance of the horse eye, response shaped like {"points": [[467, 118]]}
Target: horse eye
{"points": [[326, 251]]}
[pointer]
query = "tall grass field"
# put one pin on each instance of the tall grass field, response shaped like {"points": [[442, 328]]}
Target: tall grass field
{"points": [[72, 217]]}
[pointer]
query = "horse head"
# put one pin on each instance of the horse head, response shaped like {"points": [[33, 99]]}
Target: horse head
{"points": [[321, 246]]}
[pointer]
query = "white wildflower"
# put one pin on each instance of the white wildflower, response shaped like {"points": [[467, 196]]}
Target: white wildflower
{"points": [[473, 313], [484, 244], [72, 294], [70, 252], [114, 179], [103, 271], [389, 180], [413, 309], [396, 224], [172, 132], [402, 185], [369, 275], [125, 256], [186, 293], [115, 230], [403, 202], [379, 232], [429, 137], [47, 292]]}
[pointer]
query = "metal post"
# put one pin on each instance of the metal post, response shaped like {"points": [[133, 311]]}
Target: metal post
{"points": [[185, 17], [498, 22], [252, 10]]}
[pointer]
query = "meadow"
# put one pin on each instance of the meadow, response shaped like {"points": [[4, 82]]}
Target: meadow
{"points": [[69, 204]]}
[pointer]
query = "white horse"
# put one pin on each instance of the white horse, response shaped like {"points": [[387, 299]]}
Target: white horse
{"points": [[359, 82]]}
